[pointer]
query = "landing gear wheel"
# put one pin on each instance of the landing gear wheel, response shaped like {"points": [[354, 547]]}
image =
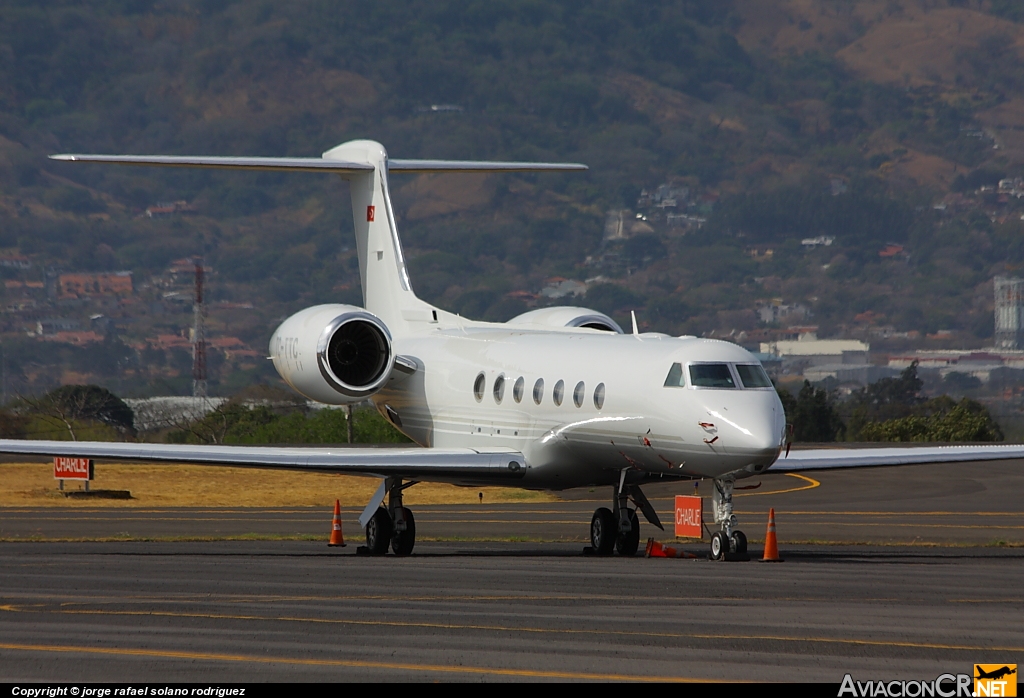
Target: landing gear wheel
{"points": [[738, 542], [628, 543], [604, 529], [378, 532], [719, 545], [404, 540]]}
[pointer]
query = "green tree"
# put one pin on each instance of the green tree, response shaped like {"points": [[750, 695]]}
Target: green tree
{"points": [[78, 410], [940, 420], [888, 398], [813, 414], [240, 422]]}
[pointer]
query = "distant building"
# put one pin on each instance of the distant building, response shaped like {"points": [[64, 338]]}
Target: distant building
{"points": [[615, 225], [1009, 297], [820, 241], [818, 352], [164, 209], [15, 261], [862, 374], [777, 311], [118, 283], [53, 325]]}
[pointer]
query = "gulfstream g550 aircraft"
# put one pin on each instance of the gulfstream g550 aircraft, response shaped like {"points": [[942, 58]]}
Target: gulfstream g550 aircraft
{"points": [[553, 399]]}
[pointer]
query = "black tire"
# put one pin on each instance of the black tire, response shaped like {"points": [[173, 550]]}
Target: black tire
{"points": [[628, 543], [739, 542], [719, 545], [403, 541], [378, 532], [604, 529]]}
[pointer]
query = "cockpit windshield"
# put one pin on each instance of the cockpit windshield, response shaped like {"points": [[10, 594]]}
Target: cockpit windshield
{"points": [[711, 376], [753, 376], [750, 376]]}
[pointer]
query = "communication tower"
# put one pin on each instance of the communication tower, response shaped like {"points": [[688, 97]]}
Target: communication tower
{"points": [[1009, 312], [199, 335]]}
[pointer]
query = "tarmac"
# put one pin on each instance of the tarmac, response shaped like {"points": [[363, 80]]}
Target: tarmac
{"points": [[899, 573]]}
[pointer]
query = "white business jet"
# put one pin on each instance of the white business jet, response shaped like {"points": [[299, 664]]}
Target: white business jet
{"points": [[553, 399]]}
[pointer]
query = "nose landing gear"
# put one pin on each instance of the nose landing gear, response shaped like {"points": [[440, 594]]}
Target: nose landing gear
{"points": [[729, 541]]}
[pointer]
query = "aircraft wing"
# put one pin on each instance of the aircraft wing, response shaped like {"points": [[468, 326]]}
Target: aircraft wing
{"points": [[458, 465], [833, 458]]}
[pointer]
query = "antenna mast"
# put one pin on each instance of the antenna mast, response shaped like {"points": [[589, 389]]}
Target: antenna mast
{"points": [[199, 335]]}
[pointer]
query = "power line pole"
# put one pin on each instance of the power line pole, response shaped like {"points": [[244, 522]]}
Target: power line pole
{"points": [[199, 336]]}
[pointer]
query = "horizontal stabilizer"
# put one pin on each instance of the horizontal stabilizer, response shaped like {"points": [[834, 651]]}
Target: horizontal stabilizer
{"points": [[415, 166], [317, 164], [224, 163]]}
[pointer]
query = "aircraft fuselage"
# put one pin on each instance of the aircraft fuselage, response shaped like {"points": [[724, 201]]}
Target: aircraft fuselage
{"points": [[584, 405]]}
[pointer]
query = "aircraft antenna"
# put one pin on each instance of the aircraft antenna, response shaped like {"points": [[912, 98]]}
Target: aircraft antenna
{"points": [[199, 335]]}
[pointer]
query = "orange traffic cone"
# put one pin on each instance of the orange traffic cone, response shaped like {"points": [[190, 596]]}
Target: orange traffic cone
{"points": [[656, 549], [771, 544], [337, 539]]}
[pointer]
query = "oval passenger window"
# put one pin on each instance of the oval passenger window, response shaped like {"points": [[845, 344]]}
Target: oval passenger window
{"points": [[558, 392], [517, 389], [577, 395], [478, 387], [538, 391], [599, 396], [499, 388]]}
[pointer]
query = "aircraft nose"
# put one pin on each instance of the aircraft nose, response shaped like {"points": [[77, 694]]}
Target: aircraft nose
{"points": [[758, 425]]}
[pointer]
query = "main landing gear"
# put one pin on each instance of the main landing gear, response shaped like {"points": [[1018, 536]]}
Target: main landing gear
{"points": [[395, 525], [618, 529], [729, 539]]}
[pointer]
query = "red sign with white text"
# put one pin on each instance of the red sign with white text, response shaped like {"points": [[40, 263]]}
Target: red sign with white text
{"points": [[72, 468], [689, 516]]}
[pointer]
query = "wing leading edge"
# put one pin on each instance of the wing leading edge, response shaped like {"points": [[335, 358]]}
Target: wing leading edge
{"points": [[458, 465], [833, 458]]}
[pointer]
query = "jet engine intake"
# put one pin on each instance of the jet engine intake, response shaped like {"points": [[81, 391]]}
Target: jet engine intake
{"points": [[353, 352], [336, 354]]}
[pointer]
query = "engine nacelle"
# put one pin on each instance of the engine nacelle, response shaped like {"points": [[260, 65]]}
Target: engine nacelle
{"points": [[566, 316], [336, 354]]}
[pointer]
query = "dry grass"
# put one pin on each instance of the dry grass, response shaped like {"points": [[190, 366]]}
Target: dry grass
{"points": [[1006, 124], [796, 26], [922, 48], [32, 484]]}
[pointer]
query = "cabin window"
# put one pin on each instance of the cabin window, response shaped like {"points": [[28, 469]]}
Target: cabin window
{"points": [[517, 389], [478, 387], [599, 396], [558, 393], [538, 391], [579, 394], [675, 377], [753, 376], [711, 376], [499, 388]]}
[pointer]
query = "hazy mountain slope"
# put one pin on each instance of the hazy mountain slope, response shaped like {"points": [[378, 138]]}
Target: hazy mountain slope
{"points": [[782, 120]]}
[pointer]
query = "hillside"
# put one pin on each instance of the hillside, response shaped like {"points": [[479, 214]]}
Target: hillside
{"points": [[723, 134]]}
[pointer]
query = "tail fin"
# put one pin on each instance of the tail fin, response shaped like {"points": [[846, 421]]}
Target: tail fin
{"points": [[387, 290]]}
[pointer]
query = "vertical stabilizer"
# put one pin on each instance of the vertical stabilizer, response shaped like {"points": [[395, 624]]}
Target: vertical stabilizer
{"points": [[387, 291]]}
